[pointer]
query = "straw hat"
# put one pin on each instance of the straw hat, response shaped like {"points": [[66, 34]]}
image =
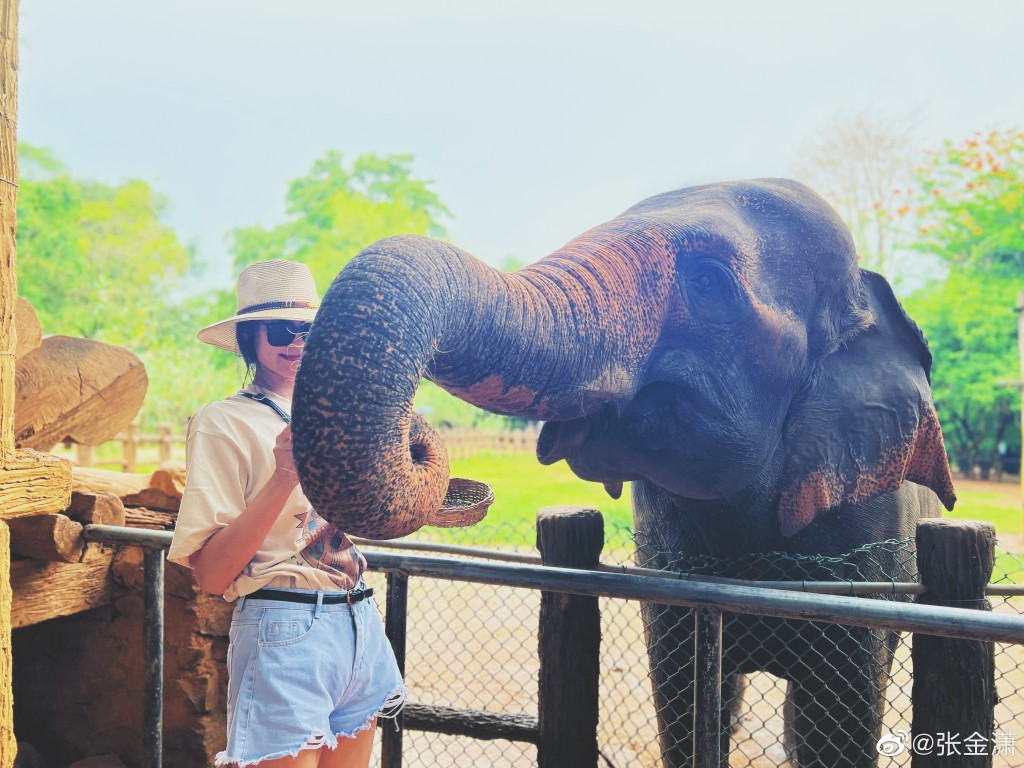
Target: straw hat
{"points": [[267, 290]]}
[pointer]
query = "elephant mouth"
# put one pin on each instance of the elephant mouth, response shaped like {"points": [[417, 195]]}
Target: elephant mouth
{"points": [[664, 436], [560, 439], [568, 440]]}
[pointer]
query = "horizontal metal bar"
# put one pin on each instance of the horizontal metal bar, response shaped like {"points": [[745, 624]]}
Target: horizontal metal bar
{"points": [[136, 537], [932, 620], [144, 537], [818, 587]]}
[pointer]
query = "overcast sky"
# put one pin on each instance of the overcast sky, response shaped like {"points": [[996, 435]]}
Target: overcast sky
{"points": [[535, 120]]}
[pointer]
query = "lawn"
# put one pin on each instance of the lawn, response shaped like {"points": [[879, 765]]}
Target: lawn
{"points": [[522, 486]]}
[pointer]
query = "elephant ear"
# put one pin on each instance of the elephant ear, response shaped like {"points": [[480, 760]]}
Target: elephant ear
{"points": [[865, 422]]}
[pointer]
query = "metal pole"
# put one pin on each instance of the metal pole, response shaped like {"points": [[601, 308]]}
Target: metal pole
{"points": [[1020, 384], [396, 607], [153, 639], [879, 614], [707, 690]]}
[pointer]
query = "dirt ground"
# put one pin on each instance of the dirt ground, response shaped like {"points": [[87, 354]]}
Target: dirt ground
{"points": [[475, 646]]}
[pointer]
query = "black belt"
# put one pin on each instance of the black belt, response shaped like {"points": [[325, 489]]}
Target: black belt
{"points": [[329, 598]]}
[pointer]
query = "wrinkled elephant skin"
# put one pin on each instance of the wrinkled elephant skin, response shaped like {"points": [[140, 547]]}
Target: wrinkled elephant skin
{"points": [[718, 346]]}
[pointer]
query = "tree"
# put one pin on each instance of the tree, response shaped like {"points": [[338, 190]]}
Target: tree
{"points": [[336, 210], [969, 211], [96, 260], [970, 323], [971, 202], [862, 165]]}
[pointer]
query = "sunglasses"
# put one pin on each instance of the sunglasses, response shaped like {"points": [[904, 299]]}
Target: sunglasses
{"points": [[282, 333]]}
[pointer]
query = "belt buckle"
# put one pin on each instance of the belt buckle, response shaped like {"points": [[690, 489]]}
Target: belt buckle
{"points": [[348, 596]]}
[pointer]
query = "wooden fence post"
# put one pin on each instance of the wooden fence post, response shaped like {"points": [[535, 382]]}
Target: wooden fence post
{"points": [[163, 432], [569, 642], [130, 454], [83, 455], [953, 692]]}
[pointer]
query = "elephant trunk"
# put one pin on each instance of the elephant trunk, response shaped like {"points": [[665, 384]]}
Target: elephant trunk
{"points": [[553, 341]]}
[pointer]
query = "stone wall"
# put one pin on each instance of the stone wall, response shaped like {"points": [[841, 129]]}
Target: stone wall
{"points": [[78, 680]]}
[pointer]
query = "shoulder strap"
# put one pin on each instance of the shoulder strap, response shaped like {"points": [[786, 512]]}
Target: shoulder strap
{"points": [[259, 398]]}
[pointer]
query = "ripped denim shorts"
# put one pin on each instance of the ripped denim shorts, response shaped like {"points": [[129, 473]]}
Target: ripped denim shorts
{"points": [[302, 676]]}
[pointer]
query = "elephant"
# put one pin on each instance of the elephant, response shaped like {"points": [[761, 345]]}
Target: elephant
{"points": [[719, 348]]}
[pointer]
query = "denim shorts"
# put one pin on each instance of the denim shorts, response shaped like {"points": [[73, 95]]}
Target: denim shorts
{"points": [[302, 676]]}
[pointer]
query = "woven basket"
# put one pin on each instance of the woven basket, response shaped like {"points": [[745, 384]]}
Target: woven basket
{"points": [[465, 503]]}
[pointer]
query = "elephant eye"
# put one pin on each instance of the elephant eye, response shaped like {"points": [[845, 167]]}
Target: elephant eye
{"points": [[708, 277], [705, 281], [713, 291]]}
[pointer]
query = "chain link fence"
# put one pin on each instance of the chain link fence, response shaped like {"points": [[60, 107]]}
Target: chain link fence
{"points": [[475, 646]]}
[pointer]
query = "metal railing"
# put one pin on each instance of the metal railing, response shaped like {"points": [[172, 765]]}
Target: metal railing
{"points": [[710, 598]]}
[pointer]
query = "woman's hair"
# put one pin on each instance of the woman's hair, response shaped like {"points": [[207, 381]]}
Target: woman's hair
{"points": [[246, 333]]}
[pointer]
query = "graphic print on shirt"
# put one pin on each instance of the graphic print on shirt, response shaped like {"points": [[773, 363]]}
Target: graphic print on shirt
{"points": [[327, 549]]}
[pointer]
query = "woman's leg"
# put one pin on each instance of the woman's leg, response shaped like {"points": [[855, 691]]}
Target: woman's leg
{"points": [[350, 753], [307, 758]]}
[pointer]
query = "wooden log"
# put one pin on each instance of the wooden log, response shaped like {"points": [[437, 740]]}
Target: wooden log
{"points": [[152, 519], [44, 591], [8, 748], [569, 642], [133, 489], [954, 691], [96, 508], [121, 484], [53, 537], [169, 479], [8, 288], [26, 325], [75, 389], [34, 483], [153, 498]]}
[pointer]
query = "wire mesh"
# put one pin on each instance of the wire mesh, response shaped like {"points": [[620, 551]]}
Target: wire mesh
{"points": [[475, 646]]}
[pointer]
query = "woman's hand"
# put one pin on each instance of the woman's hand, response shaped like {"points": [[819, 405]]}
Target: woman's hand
{"points": [[225, 554], [284, 469]]}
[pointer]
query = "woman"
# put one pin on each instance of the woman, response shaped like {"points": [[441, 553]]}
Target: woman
{"points": [[309, 667]]}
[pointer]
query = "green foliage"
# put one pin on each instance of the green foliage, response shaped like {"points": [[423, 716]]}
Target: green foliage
{"points": [[95, 260], [443, 409], [972, 202], [336, 210], [521, 487], [970, 206], [969, 320]]}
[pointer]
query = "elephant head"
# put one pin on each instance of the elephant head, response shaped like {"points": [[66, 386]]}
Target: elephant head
{"points": [[686, 342]]}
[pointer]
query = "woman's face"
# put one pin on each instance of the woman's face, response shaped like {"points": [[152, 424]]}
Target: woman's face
{"points": [[279, 346]]}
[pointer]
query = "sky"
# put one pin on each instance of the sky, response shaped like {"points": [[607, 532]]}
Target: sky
{"points": [[534, 120]]}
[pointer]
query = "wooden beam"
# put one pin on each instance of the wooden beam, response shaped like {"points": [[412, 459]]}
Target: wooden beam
{"points": [[33, 483], [8, 748], [8, 208], [8, 343], [45, 590], [96, 508], [53, 537]]}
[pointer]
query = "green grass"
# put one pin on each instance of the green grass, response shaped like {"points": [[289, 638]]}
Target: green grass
{"points": [[522, 486], [991, 506]]}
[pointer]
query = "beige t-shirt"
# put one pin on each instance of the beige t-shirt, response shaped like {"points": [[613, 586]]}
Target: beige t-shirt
{"points": [[229, 455]]}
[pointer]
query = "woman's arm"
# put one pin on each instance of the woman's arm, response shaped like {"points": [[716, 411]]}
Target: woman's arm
{"points": [[225, 554]]}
